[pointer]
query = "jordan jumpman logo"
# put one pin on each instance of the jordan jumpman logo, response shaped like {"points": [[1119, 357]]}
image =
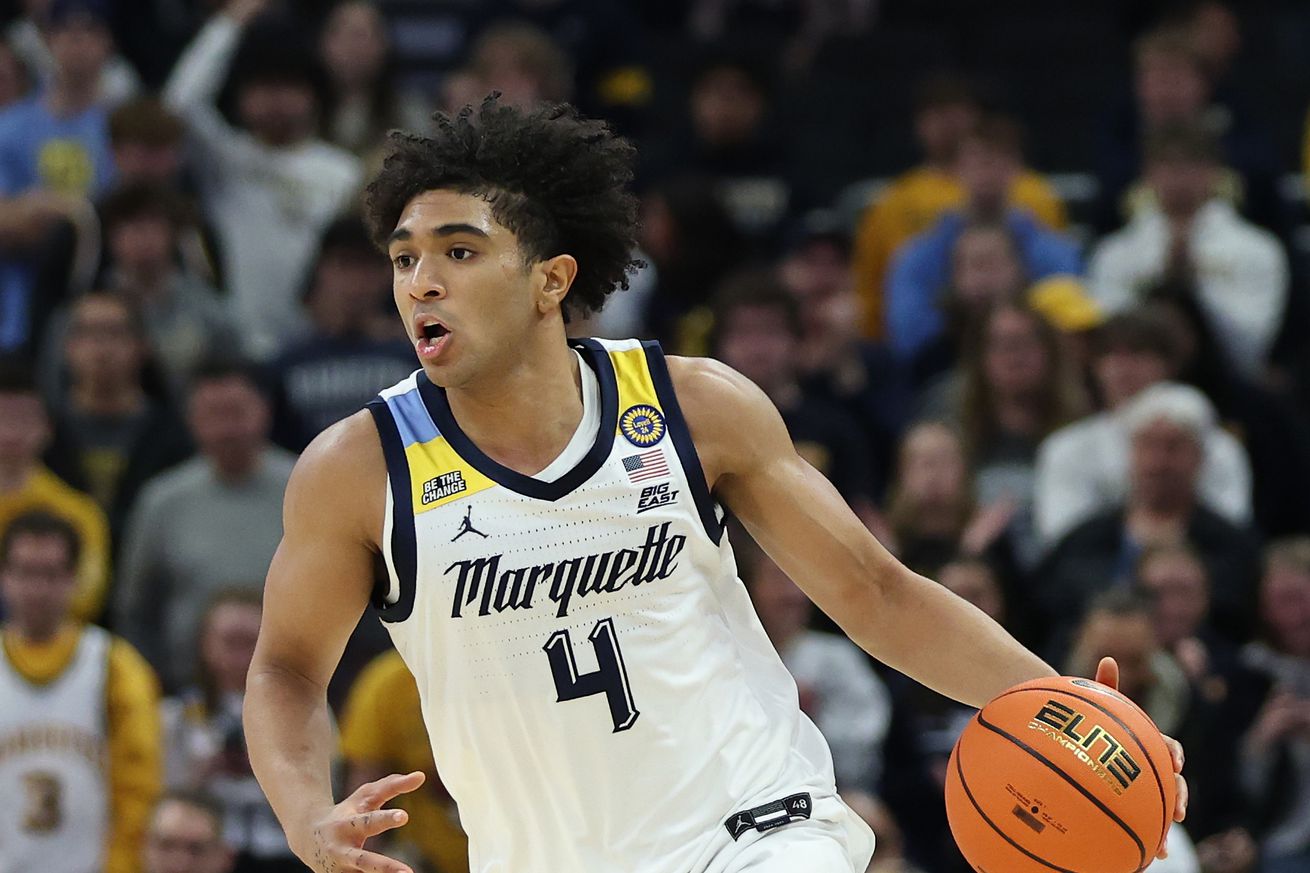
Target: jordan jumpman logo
{"points": [[466, 526]]}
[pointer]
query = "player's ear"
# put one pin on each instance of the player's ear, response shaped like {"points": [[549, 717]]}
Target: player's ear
{"points": [[557, 275]]}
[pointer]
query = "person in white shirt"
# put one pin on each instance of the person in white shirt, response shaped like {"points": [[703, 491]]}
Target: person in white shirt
{"points": [[271, 187], [1236, 272], [1082, 468]]}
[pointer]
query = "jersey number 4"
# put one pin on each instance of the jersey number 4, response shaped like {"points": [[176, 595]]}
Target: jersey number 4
{"points": [[610, 678]]}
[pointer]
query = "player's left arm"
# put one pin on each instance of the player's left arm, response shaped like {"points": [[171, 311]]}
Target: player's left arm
{"points": [[903, 619]]}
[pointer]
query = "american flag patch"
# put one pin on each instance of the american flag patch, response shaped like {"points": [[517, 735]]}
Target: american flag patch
{"points": [[647, 465]]}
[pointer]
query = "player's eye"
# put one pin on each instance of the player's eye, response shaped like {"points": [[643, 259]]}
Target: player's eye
{"points": [[403, 262], [459, 253]]}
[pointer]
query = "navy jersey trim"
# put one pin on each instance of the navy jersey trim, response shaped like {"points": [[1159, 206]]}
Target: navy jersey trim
{"points": [[682, 441], [403, 545], [595, 356]]}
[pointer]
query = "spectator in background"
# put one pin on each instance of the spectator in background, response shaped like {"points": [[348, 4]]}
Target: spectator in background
{"points": [[205, 747], [382, 732], [692, 245], [1082, 468], [1118, 625], [933, 514], [26, 484], [840, 366], [986, 268], [184, 318], [1172, 86], [1276, 753], [946, 108], [517, 59], [987, 164], [36, 40], [185, 835], [352, 351], [605, 44], [118, 434], [59, 678], [270, 186], [757, 332], [731, 141], [148, 143], [837, 687], [14, 84], [54, 154], [1013, 389], [1226, 695], [1201, 249], [364, 99], [178, 549], [1169, 426]]}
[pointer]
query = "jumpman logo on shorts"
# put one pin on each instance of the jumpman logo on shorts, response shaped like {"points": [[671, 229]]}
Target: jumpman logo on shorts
{"points": [[466, 526]]}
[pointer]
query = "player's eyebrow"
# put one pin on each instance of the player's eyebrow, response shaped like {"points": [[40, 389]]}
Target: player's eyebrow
{"points": [[401, 234]]}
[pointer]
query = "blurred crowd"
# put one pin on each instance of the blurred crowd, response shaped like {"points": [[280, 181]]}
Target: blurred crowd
{"points": [[1027, 281]]}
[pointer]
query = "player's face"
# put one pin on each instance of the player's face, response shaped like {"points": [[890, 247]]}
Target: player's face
{"points": [[466, 292], [38, 580], [183, 839]]}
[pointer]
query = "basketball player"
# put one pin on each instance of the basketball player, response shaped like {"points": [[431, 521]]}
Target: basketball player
{"points": [[599, 694]]}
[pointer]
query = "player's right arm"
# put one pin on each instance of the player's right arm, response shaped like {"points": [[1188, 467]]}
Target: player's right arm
{"points": [[317, 588]]}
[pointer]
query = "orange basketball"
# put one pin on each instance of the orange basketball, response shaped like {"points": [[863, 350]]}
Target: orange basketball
{"points": [[1060, 774]]}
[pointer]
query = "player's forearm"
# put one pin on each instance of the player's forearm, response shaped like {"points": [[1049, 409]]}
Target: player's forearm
{"points": [[289, 738], [918, 627]]}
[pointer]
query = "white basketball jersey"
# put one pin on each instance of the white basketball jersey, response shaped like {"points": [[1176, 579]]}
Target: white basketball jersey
{"points": [[53, 765], [599, 693]]}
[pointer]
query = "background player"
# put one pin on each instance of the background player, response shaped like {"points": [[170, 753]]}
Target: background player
{"points": [[491, 224]]}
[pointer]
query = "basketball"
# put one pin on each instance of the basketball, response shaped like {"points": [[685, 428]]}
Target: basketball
{"points": [[1060, 774]]}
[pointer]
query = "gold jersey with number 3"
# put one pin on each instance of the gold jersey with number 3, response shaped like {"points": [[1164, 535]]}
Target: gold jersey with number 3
{"points": [[53, 772]]}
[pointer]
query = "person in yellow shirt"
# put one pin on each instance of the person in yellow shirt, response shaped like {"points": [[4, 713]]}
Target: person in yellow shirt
{"points": [[80, 747], [382, 732], [946, 109], [26, 484]]}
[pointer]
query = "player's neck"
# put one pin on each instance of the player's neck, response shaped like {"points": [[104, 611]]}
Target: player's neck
{"points": [[526, 415]]}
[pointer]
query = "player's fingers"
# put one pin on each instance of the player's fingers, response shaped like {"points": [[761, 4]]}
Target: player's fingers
{"points": [[372, 862], [372, 795], [1180, 804], [369, 824], [1107, 673], [1176, 752]]}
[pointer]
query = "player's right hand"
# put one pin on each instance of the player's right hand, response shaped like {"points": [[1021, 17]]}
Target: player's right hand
{"points": [[336, 842]]}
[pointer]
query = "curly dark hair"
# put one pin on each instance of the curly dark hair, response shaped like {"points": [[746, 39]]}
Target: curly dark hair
{"points": [[557, 181]]}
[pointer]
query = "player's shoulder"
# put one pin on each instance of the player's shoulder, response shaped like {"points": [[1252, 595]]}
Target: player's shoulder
{"points": [[730, 418], [341, 473]]}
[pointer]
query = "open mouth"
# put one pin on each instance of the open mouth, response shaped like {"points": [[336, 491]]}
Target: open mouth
{"points": [[433, 336]]}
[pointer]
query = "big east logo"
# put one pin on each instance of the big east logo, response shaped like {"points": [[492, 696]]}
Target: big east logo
{"points": [[1113, 764]]}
